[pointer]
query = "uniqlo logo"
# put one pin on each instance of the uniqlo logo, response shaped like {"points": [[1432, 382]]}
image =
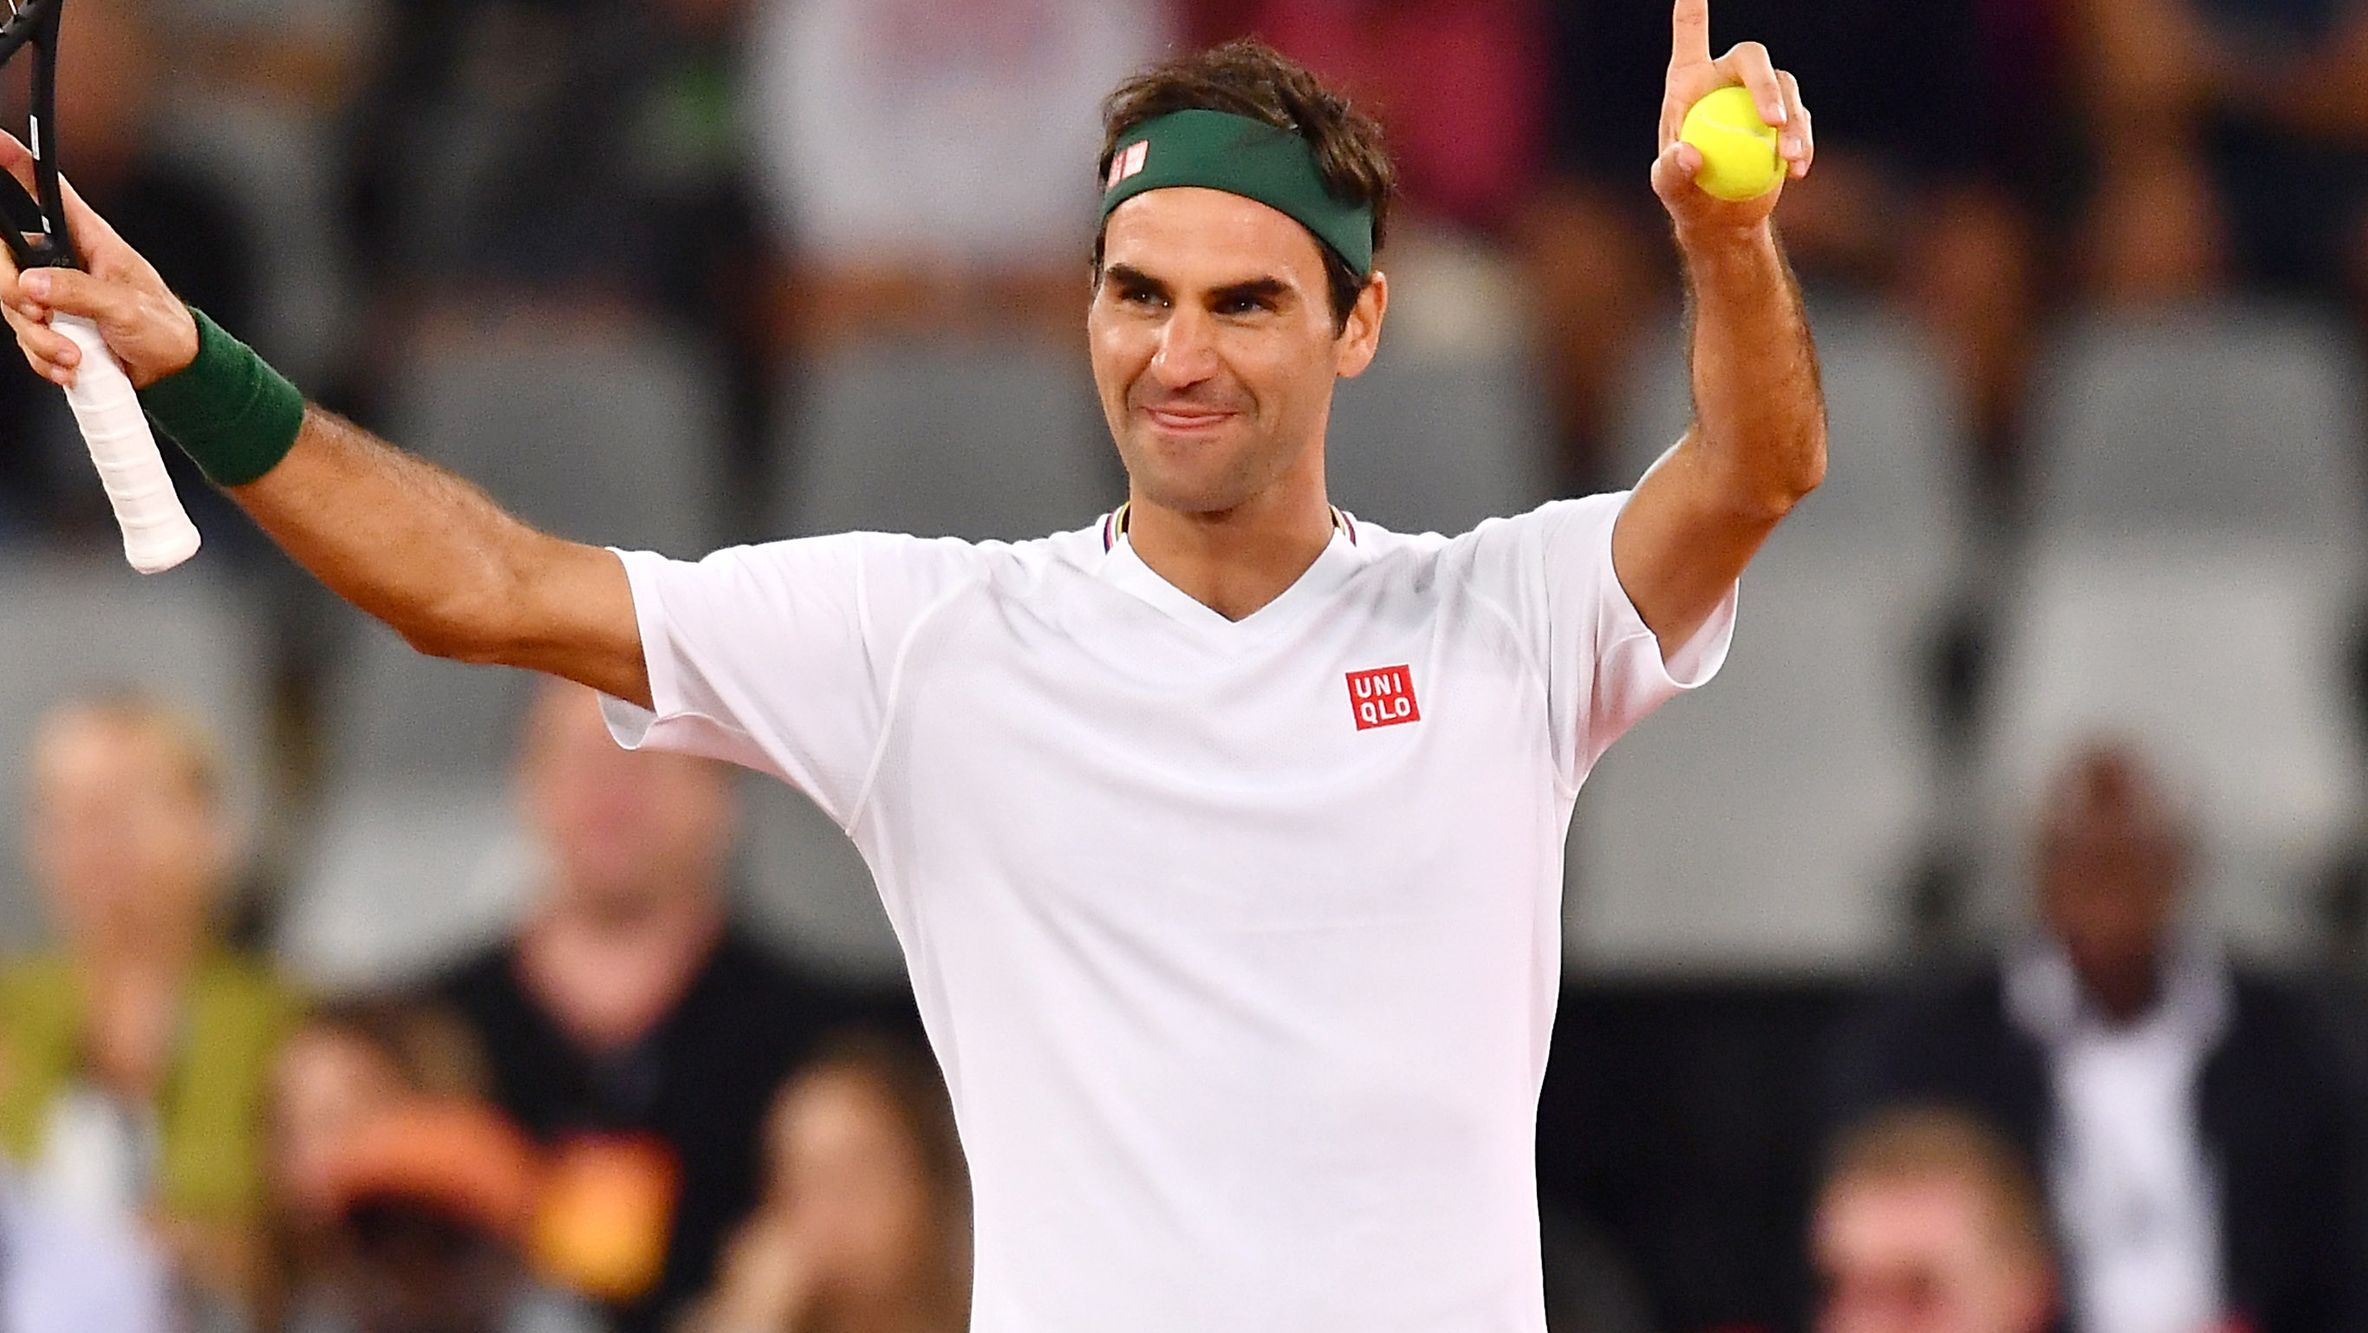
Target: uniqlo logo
{"points": [[1128, 163], [1383, 698]]}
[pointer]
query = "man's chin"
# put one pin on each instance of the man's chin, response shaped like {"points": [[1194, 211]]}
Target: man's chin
{"points": [[1187, 497]]}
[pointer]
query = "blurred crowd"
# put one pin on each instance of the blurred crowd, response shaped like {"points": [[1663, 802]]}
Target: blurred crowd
{"points": [[625, 1115], [632, 1111]]}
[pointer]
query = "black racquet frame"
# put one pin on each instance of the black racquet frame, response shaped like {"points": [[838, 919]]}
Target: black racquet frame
{"points": [[36, 230]]}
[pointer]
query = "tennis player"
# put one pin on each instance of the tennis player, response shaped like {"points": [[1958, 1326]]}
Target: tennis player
{"points": [[1223, 835]]}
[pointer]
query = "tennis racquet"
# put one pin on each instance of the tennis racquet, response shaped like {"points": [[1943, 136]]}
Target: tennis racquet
{"points": [[157, 533]]}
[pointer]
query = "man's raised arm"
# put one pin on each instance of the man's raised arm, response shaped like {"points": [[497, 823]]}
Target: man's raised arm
{"points": [[1757, 445], [406, 541]]}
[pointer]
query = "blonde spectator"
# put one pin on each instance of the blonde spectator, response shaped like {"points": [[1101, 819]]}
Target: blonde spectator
{"points": [[1931, 1222], [136, 1055]]}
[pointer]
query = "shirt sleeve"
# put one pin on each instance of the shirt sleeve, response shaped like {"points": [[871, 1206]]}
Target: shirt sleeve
{"points": [[1550, 572], [781, 657]]}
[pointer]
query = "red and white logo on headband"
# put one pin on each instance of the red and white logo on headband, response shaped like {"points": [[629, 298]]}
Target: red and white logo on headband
{"points": [[1127, 163]]}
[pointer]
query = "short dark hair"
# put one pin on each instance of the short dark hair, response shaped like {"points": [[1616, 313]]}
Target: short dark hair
{"points": [[1249, 78]]}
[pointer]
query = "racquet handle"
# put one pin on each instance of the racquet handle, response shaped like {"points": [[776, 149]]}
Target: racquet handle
{"points": [[157, 533]]}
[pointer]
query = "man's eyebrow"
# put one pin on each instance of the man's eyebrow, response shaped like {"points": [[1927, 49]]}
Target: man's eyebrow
{"points": [[1129, 276], [1255, 289]]}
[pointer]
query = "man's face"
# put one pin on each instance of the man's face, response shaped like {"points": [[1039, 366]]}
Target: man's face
{"points": [[619, 826], [2111, 866], [1214, 348], [1921, 1256], [127, 849]]}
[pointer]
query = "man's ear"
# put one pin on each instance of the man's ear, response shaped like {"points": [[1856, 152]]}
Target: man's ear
{"points": [[1362, 337]]}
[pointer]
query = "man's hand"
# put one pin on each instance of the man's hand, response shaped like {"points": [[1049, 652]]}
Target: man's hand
{"points": [[145, 325], [1693, 75]]}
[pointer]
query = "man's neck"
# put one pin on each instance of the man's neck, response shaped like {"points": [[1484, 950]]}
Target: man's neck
{"points": [[1237, 560], [132, 989], [2125, 992]]}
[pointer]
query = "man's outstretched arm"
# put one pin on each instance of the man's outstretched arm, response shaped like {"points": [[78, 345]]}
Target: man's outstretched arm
{"points": [[1757, 445], [402, 539]]}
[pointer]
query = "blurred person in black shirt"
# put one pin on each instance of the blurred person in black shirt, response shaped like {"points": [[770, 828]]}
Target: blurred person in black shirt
{"points": [[628, 1026], [107, 113], [2196, 1132], [1937, 171]]}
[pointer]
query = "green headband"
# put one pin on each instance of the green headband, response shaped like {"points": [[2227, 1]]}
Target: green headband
{"points": [[1221, 151]]}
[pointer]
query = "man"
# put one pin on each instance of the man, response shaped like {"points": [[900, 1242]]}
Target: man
{"points": [[133, 1062], [1929, 1222], [2191, 1121], [615, 1023], [1223, 836]]}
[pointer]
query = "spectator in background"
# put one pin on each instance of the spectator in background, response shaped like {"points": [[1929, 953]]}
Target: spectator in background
{"points": [[114, 158], [1930, 1222], [922, 158], [133, 1061], [431, 1202], [2193, 1127], [2231, 145], [61, 1275], [864, 1224], [1460, 86], [629, 1027], [571, 158], [347, 1064], [1937, 167]]}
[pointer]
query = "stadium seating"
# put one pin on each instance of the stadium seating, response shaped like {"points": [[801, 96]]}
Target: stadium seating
{"points": [[604, 434], [959, 440], [2235, 419], [2222, 660], [1770, 821], [74, 627], [2191, 585], [414, 851], [279, 168], [1446, 427], [608, 433]]}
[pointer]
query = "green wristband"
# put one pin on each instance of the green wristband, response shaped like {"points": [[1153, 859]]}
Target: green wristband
{"points": [[231, 413]]}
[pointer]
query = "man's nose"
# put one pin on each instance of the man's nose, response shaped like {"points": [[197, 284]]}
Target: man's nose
{"points": [[1187, 352]]}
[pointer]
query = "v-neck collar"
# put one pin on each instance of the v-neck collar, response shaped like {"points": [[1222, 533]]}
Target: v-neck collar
{"points": [[1124, 568]]}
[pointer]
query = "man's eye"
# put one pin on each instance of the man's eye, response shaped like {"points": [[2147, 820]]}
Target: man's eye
{"points": [[1142, 296], [1244, 305]]}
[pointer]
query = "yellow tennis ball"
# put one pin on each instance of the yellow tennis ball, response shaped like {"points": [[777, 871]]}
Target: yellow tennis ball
{"points": [[1739, 157]]}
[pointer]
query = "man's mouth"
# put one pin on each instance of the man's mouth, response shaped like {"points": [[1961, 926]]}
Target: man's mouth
{"points": [[1186, 419]]}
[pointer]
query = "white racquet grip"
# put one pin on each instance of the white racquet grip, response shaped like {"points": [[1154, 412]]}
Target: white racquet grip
{"points": [[157, 533]]}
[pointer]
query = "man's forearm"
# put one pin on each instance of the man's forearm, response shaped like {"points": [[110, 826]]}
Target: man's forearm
{"points": [[1759, 410]]}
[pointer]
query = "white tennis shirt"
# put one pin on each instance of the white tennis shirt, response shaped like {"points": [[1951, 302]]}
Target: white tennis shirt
{"points": [[1239, 941]]}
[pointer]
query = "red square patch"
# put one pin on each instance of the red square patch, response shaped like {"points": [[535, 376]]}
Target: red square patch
{"points": [[1383, 698]]}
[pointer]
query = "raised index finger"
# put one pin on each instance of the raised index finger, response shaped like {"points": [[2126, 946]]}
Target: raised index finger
{"points": [[1689, 42]]}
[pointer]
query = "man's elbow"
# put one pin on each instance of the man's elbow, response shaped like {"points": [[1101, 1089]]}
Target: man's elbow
{"points": [[473, 626], [1808, 471], [1770, 489]]}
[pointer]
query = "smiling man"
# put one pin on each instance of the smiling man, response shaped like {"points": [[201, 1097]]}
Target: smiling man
{"points": [[1223, 835]]}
